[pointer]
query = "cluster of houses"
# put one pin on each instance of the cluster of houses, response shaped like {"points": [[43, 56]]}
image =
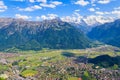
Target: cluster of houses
{"points": [[58, 70]]}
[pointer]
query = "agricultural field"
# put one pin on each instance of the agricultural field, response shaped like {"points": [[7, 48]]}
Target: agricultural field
{"points": [[76, 64]]}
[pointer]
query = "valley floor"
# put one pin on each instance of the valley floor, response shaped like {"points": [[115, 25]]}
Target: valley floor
{"points": [[58, 65]]}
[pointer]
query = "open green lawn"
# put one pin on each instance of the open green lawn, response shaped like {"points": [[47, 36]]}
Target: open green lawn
{"points": [[33, 59], [56, 54], [73, 78]]}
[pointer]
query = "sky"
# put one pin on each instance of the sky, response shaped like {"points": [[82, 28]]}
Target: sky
{"points": [[69, 10]]}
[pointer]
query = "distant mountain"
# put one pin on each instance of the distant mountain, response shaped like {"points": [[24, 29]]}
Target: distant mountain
{"points": [[54, 34], [86, 23], [108, 33], [83, 28]]}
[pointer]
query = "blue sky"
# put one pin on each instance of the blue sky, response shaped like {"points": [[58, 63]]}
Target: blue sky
{"points": [[65, 9]]}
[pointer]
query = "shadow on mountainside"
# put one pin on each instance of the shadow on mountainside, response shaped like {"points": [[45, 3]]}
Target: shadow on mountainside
{"points": [[102, 60]]}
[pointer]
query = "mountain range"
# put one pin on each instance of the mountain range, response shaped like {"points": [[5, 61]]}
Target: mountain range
{"points": [[108, 33], [87, 23], [53, 34]]}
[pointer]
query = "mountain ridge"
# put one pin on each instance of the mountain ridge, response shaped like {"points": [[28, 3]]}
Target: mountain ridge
{"points": [[54, 34], [107, 33]]}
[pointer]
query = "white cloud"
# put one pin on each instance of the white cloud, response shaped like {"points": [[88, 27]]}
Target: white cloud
{"points": [[31, 1], [56, 3], [43, 17], [52, 4], [102, 13], [2, 10], [3, 7], [71, 19], [47, 17], [47, 5], [117, 8], [104, 1], [116, 13], [19, 0], [77, 10], [22, 16], [38, 18], [93, 1], [43, 1], [52, 16], [93, 19], [99, 13], [32, 8], [93, 4], [91, 9], [76, 18], [97, 8], [82, 2]]}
